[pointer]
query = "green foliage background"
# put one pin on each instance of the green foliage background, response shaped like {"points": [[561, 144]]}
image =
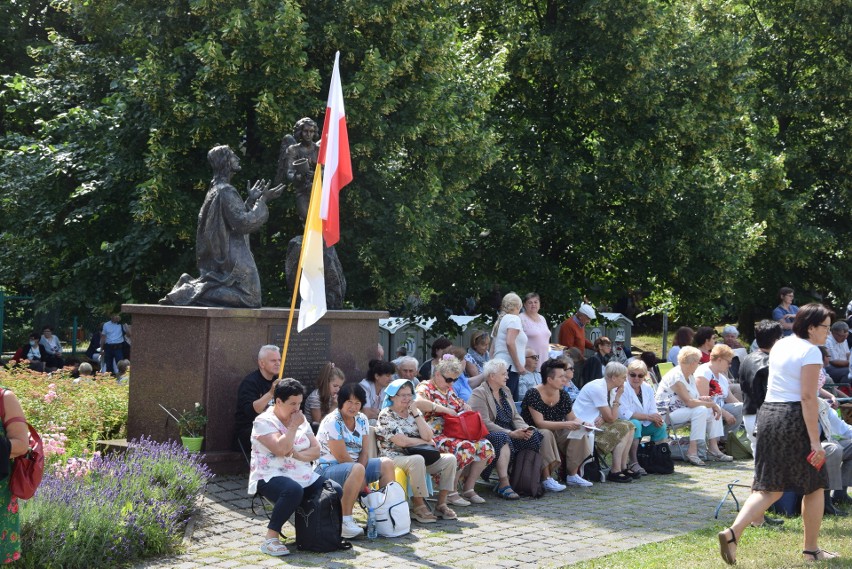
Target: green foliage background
{"points": [[692, 153]]}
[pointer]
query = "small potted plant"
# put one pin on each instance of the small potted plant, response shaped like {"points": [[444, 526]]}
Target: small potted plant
{"points": [[191, 425]]}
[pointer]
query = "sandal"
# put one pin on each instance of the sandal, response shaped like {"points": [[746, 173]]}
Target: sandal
{"points": [[472, 497], [506, 493], [636, 469], [457, 500], [725, 546], [273, 546], [423, 515], [444, 511], [694, 460], [819, 555]]}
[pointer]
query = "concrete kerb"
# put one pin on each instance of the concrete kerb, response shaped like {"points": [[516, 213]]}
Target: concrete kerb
{"points": [[554, 531]]}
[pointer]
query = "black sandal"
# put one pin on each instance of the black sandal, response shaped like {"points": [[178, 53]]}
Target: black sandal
{"points": [[816, 554], [725, 546]]}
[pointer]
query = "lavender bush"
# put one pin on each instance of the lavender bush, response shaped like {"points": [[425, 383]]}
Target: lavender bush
{"points": [[109, 511]]}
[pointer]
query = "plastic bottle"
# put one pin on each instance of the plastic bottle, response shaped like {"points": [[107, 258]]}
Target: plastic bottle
{"points": [[372, 533]]}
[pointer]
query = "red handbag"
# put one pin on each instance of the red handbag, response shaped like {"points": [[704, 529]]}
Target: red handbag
{"points": [[28, 468], [468, 425]]}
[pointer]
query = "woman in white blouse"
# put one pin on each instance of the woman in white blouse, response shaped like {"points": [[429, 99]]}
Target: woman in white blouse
{"points": [[640, 408], [510, 340], [678, 395], [282, 449]]}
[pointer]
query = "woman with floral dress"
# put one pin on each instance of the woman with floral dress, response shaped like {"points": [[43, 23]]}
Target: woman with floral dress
{"points": [[16, 440], [436, 399]]}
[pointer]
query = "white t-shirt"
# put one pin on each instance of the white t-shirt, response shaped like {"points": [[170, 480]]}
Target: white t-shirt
{"points": [[592, 396], [836, 350], [705, 371], [501, 351], [630, 403], [374, 398], [786, 359]]}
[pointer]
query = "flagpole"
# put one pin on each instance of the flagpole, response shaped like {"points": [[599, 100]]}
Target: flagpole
{"points": [[311, 206]]}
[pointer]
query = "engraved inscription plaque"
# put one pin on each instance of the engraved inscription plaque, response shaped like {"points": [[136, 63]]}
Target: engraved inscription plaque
{"points": [[307, 353]]}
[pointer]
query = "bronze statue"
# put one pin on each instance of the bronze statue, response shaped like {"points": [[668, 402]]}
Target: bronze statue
{"points": [[228, 275], [301, 161]]}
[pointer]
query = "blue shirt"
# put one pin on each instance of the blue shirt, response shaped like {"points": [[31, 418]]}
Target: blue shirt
{"points": [[462, 387], [779, 313]]}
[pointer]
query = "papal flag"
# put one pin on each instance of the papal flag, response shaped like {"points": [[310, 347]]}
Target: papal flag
{"points": [[312, 283]]}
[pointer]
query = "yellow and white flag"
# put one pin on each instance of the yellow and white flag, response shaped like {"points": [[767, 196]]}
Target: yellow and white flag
{"points": [[312, 283]]}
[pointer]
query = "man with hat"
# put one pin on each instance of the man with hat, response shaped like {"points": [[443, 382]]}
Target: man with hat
{"points": [[571, 333]]}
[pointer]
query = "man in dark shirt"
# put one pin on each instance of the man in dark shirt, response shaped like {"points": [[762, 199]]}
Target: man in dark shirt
{"points": [[254, 394], [754, 379], [754, 373]]}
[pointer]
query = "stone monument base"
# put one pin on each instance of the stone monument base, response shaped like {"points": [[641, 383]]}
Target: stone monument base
{"points": [[187, 354]]}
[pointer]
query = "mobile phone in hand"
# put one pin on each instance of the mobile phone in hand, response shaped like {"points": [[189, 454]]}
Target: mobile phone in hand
{"points": [[818, 465]]}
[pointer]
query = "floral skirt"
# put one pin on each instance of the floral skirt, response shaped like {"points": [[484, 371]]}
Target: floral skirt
{"points": [[465, 451], [780, 463]]}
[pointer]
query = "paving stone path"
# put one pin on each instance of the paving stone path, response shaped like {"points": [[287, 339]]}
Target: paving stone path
{"points": [[554, 531]]}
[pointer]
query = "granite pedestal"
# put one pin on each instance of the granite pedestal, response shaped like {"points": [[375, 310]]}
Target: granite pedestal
{"points": [[183, 355]]}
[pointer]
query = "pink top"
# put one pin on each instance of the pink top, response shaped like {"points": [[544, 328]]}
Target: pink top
{"points": [[538, 337]]}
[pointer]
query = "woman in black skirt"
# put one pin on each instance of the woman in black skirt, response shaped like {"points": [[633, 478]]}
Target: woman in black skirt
{"points": [[789, 454]]}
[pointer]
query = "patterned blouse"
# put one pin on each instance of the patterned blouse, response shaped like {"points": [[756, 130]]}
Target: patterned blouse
{"points": [[265, 465], [390, 424], [533, 400], [333, 428]]}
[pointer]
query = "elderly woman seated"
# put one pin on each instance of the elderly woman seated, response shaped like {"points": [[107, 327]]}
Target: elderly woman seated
{"points": [[400, 428], [548, 406], [282, 449], [436, 398], [508, 432], [598, 404], [711, 379], [343, 456], [678, 395], [640, 408]]}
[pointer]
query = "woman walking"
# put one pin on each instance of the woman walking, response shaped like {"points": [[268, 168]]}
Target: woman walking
{"points": [[789, 456]]}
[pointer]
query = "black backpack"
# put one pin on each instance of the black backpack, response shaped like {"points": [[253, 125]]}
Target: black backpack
{"points": [[319, 522], [525, 478], [655, 458], [591, 468]]}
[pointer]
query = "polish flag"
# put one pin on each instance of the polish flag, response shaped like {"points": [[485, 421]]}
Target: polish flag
{"points": [[334, 154]]}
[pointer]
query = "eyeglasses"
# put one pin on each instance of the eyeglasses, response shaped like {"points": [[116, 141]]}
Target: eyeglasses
{"points": [[536, 358], [404, 395], [637, 374], [449, 379], [569, 368], [824, 325]]}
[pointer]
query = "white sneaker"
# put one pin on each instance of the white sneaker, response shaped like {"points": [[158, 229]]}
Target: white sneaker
{"points": [[351, 529], [552, 485], [577, 480]]}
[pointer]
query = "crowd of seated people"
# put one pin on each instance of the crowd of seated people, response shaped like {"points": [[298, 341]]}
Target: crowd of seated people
{"points": [[608, 414]]}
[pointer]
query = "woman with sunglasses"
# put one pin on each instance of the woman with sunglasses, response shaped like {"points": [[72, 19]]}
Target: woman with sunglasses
{"points": [[640, 408], [437, 399]]}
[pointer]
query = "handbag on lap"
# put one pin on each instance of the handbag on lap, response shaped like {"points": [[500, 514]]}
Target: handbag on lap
{"points": [[468, 425]]}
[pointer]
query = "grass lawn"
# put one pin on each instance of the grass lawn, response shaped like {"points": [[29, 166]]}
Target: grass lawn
{"points": [[759, 547]]}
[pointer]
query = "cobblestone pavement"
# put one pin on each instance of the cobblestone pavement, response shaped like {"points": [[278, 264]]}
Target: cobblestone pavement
{"points": [[554, 531]]}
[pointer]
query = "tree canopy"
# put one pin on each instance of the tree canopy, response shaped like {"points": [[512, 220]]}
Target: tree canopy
{"points": [[694, 154]]}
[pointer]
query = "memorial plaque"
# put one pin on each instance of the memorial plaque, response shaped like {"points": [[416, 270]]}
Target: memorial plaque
{"points": [[307, 353]]}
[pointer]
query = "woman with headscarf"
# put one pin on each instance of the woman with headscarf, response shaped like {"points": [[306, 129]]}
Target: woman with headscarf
{"points": [[400, 427]]}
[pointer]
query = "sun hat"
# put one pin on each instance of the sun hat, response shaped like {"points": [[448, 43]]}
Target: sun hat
{"points": [[392, 389]]}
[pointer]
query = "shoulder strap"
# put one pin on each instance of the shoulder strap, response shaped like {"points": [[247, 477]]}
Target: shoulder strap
{"points": [[2, 404]]}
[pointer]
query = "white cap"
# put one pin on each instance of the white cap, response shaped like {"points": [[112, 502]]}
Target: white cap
{"points": [[588, 311], [729, 329]]}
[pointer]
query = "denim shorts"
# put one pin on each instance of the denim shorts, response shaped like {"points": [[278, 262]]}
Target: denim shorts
{"points": [[339, 472]]}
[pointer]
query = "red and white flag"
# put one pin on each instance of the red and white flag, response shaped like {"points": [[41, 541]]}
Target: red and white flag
{"points": [[334, 154]]}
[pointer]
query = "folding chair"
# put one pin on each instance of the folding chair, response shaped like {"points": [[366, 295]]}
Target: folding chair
{"points": [[258, 497]]}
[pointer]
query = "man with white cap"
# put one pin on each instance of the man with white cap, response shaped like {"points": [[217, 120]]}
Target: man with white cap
{"points": [[571, 332]]}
